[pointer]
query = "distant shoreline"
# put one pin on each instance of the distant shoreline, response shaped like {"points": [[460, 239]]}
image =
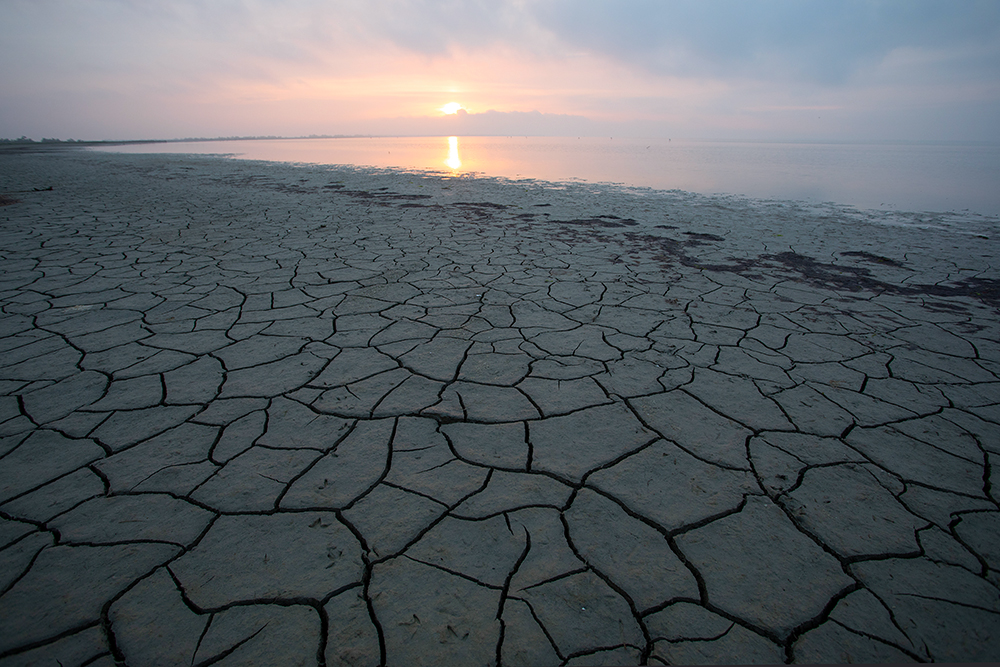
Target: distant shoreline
{"points": [[912, 184], [7, 143]]}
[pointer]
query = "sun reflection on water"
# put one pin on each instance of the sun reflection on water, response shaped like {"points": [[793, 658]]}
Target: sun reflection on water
{"points": [[453, 160]]}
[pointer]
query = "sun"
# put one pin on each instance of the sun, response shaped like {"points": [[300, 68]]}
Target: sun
{"points": [[451, 108]]}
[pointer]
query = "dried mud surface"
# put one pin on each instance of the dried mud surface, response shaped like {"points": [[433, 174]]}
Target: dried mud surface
{"points": [[264, 414]]}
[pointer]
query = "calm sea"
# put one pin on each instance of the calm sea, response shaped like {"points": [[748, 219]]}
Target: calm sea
{"points": [[888, 177]]}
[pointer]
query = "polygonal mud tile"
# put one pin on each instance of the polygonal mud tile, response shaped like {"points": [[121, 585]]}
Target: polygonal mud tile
{"points": [[864, 613], [486, 551], [254, 480], [980, 531], [351, 365], [549, 554], [850, 512], [917, 461], [389, 518], [495, 445], [197, 383], [291, 424], [139, 392], [486, 403], [688, 634], [352, 639], [153, 626], [279, 556], [430, 617], [257, 350], [126, 428], [582, 613], [673, 488], [745, 575], [498, 369], [832, 643], [146, 517], [43, 457], [524, 642], [556, 397], [262, 634], [437, 359], [343, 475], [413, 395], [706, 434], [67, 587], [572, 445], [60, 399], [946, 609], [635, 556], [273, 379], [508, 491], [360, 398], [56, 497], [423, 462]]}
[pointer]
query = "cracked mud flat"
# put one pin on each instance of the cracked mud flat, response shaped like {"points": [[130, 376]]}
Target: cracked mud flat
{"points": [[266, 414]]}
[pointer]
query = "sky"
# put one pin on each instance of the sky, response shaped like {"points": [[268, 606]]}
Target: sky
{"points": [[775, 70]]}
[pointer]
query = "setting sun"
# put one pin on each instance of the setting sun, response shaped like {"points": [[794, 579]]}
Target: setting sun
{"points": [[451, 107]]}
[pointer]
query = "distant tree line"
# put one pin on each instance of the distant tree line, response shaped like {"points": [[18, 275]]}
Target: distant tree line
{"points": [[28, 140]]}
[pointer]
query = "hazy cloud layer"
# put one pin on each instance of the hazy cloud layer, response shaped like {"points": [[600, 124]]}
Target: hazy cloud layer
{"points": [[826, 69]]}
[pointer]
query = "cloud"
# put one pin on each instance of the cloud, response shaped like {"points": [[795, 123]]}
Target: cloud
{"points": [[165, 68], [824, 42]]}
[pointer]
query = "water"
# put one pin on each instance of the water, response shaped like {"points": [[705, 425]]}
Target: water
{"points": [[887, 177]]}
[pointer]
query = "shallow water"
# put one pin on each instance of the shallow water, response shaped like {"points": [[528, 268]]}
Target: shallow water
{"points": [[897, 177]]}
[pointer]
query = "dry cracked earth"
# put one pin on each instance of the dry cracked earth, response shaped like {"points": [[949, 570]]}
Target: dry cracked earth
{"points": [[261, 414]]}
